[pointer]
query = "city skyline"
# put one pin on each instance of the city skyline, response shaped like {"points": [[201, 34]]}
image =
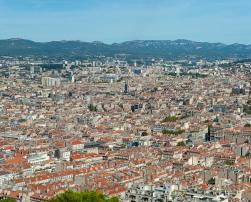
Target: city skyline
{"points": [[125, 100], [116, 21]]}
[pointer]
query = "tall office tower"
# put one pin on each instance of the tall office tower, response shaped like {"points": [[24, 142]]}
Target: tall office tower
{"points": [[72, 78], [249, 93], [32, 69], [126, 90], [177, 71], [135, 63], [208, 135]]}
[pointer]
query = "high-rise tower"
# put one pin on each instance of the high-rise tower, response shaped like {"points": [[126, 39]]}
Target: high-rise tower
{"points": [[126, 88]]}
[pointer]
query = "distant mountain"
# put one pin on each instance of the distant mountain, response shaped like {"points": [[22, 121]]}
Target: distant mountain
{"points": [[178, 49]]}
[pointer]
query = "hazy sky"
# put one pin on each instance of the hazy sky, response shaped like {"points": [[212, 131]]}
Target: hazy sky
{"points": [[227, 21]]}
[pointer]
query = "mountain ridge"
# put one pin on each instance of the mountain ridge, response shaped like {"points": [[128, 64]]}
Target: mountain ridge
{"points": [[169, 49]]}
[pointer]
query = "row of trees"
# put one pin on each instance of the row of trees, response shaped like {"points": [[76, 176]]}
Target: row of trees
{"points": [[169, 119], [71, 196], [87, 196], [7, 200], [173, 132]]}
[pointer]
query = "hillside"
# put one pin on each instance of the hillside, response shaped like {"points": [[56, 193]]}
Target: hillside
{"points": [[178, 49]]}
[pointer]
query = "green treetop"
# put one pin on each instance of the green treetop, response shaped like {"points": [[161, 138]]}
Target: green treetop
{"points": [[87, 196]]}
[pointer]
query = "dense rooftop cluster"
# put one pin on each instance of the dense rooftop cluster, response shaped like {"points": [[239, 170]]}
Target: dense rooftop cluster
{"points": [[147, 131]]}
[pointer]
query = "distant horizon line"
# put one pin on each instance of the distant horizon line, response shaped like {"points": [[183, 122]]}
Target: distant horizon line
{"points": [[100, 41]]}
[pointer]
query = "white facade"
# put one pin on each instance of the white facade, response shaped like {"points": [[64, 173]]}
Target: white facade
{"points": [[50, 81]]}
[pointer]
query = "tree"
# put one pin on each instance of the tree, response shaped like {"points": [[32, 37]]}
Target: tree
{"points": [[169, 119], [173, 132], [92, 108], [211, 181], [247, 125], [8, 200], [216, 119], [247, 109], [181, 144], [229, 162], [144, 133], [70, 94], [86, 196]]}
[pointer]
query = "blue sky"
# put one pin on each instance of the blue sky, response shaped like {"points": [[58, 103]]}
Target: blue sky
{"points": [[227, 21]]}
